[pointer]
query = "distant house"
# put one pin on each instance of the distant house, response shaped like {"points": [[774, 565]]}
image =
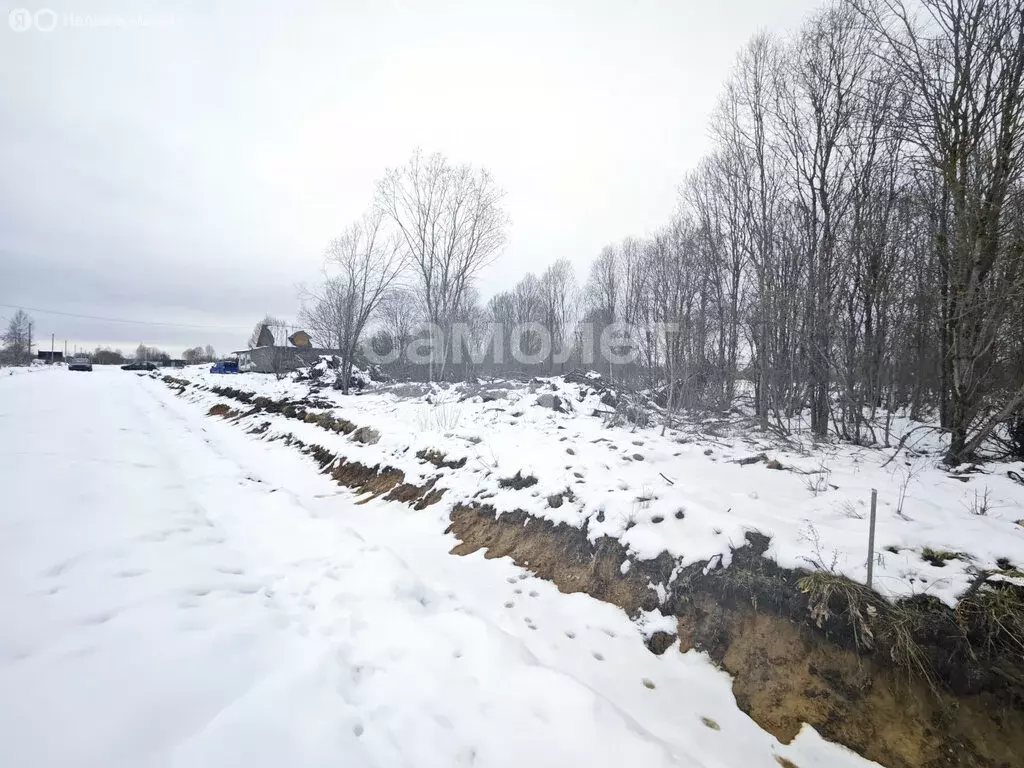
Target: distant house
{"points": [[278, 358], [50, 357], [176, 364]]}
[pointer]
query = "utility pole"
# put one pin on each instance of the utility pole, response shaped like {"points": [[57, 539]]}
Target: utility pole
{"points": [[51, 349], [30, 341], [65, 349]]}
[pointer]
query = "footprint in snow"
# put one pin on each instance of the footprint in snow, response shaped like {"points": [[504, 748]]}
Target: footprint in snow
{"points": [[571, 635], [59, 568], [357, 730], [210, 540], [131, 573], [598, 656], [249, 589], [510, 604], [533, 593], [101, 618]]}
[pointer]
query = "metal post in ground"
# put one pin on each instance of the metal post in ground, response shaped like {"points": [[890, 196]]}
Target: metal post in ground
{"points": [[871, 536]]}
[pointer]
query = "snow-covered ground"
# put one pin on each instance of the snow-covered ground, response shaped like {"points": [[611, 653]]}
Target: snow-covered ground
{"points": [[684, 492], [176, 592]]}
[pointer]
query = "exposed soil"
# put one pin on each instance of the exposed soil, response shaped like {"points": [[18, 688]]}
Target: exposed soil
{"points": [[439, 459], [786, 670], [557, 553], [517, 482], [784, 674]]}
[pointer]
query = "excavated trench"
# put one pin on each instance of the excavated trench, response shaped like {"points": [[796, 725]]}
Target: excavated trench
{"points": [[755, 620], [912, 684]]}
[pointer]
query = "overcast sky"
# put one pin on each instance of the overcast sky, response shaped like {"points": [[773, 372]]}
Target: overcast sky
{"points": [[190, 169]]}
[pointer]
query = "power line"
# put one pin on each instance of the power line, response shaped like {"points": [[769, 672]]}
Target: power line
{"points": [[124, 320]]}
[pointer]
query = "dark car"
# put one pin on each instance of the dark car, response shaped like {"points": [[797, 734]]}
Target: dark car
{"points": [[140, 365], [80, 364]]}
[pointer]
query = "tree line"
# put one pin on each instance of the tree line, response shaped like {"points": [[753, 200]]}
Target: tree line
{"points": [[854, 240], [851, 245], [16, 342]]}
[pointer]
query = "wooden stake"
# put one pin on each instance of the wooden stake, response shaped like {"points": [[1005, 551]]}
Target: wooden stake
{"points": [[871, 536]]}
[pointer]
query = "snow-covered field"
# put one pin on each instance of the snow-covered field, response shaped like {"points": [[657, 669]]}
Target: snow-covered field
{"points": [[684, 492], [176, 592]]}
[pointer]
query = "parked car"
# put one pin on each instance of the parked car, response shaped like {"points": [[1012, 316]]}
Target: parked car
{"points": [[80, 364], [140, 365], [224, 366]]}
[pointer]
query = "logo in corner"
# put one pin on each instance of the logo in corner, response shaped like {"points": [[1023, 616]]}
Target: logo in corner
{"points": [[20, 19]]}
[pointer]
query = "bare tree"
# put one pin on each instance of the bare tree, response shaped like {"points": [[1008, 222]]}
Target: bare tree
{"points": [[360, 267], [398, 313], [17, 340], [603, 296], [199, 354], [712, 193], [451, 224], [817, 102], [743, 127], [558, 301], [964, 63]]}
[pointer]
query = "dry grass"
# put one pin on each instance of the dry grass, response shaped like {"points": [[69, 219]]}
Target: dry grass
{"points": [[829, 595], [997, 612], [938, 557]]}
